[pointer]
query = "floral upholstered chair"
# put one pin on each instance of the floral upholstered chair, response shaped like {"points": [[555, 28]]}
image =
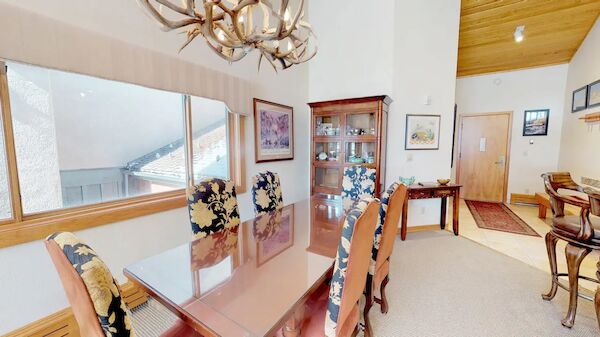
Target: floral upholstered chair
{"points": [[266, 193], [213, 207], [358, 183], [333, 311], [95, 298], [392, 202]]}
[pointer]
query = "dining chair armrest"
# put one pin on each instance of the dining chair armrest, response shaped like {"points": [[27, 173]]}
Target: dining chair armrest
{"points": [[594, 196]]}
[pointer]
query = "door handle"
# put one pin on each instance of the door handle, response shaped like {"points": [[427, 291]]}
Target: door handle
{"points": [[500, 161]]}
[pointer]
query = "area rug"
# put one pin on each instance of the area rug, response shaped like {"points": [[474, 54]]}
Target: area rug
{"points": [[496, 216]]}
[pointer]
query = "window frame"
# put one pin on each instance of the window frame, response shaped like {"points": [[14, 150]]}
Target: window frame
{"points": [[22, 228]]}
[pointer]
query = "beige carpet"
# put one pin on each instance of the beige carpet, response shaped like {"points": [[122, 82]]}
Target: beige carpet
{"points": [[442, 285]]}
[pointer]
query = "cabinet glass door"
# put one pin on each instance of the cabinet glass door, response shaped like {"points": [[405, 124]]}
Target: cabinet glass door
{"points": [[359, 124], [327, 179], [327, 125], [360, 152], [327, 151]]}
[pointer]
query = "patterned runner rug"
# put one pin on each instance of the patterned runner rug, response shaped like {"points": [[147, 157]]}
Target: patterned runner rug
{"points": [[496, 216]]}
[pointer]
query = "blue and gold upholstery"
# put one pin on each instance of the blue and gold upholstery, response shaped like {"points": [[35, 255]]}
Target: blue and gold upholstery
{"points": [[385, 201], [358, 183], [338, 279], [113, 315], [266, 192], [213, 207]]}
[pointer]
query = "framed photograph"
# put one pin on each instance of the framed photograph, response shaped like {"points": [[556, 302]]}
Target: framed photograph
{"points": [[580, 99], [535, 122], [273, 131], [593, 99], [422, 132], [274, 233]]}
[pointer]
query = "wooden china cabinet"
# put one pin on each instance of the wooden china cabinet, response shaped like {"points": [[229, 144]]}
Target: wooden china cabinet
{"points": [[347, 132]]}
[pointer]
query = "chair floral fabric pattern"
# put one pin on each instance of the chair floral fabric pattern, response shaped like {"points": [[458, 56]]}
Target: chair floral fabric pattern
{"points": [[358, 183], [213, 207], [385, 200], [266, 192], [113, 315], [341, 264]]}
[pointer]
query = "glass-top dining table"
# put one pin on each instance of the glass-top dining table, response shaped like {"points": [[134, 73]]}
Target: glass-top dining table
{"points": [[249, 280]]}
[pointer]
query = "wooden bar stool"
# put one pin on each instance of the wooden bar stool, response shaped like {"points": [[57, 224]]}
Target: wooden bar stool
{"points": [[581, 233]]}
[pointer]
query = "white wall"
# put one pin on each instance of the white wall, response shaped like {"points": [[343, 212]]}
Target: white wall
{"points": [[517, 91], [579, 146], [408, 51], [30, 287]]}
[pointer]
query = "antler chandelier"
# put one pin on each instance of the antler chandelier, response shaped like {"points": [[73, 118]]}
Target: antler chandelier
{"points": [[233, 28]]}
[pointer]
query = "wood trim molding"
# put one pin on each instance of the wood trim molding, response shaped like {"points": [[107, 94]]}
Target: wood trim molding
{"points": [[38, 226], [421, 228], [63, 323], [516, 198]]}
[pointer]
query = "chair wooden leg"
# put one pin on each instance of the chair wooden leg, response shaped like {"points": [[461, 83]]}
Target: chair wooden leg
{"points": [[368, 304], [597, 297], [551, 248], [384, 301], [574, 257]]}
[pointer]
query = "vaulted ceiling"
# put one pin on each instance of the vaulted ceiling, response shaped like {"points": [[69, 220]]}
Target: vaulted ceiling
{"points": [[554, 30]]}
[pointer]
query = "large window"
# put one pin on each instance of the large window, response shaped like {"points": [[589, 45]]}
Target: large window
{"points": [[84, 141], [5, 207]]}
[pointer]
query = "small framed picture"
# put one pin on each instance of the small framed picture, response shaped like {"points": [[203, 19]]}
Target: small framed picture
{"points": [[422, 132], [580, 99], [535, 122], [593, 99], [273, 131]]}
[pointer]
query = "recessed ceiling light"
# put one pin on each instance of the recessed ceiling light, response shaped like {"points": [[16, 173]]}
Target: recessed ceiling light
{"points": [[519, 33], [82, 94]]}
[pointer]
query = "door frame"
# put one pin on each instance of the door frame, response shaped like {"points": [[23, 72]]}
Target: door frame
{"points": [[508, 144]]}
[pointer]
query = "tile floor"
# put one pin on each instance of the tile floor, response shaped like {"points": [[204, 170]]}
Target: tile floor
{"points": [[528, 249]]}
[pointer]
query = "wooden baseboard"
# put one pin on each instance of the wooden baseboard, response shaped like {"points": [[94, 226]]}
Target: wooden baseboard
{"points": [[63, 323], [421, 228], [523, 199]]}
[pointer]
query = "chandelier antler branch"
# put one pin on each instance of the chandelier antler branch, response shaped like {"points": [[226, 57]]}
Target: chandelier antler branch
{"points": [[229, 28]]}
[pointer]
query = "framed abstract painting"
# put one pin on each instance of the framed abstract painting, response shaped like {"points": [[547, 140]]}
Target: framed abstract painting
{"points": [[273, 131], [422, 132]]}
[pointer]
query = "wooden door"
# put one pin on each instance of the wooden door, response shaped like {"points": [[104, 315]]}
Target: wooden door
{"points": [[484, 155]]}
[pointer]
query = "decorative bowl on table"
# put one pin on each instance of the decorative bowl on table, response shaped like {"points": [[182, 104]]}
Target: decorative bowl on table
{"points": [[443, 182]]}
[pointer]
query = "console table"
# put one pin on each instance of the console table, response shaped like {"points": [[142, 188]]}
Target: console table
{"points": [[433, 192]]}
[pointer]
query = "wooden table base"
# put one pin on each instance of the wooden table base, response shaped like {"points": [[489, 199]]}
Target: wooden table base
{"points": [[433, 192]]}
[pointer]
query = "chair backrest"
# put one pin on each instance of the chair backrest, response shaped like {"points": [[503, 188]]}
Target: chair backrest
{"points": [[562, 180], [392, 202], [358, 183], [351, 268], [266, 192], [594, 202], [213, 207], [90, 288]]}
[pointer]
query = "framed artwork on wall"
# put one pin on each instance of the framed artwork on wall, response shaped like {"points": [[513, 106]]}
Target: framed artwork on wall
{"points": [[422, 132], [593, 99], [535, 122], [273, 131], [579, 99]]}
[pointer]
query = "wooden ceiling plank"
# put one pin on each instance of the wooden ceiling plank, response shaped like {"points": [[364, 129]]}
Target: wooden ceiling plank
{"points": [[522, 10]]}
